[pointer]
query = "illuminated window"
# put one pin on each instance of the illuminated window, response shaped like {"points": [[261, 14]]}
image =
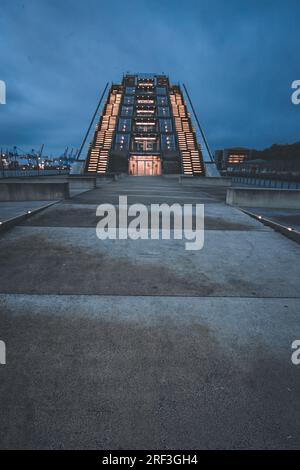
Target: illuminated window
{"points": [[236, 158], [145, 126], [145, 144], [145, 101], [145, 112]]}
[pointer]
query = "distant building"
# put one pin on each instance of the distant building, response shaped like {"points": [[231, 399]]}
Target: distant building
{"points": [[145, 129], [231, 156]]}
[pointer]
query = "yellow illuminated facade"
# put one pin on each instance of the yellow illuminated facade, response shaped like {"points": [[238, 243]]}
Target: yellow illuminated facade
{"points": [[145, 129]]}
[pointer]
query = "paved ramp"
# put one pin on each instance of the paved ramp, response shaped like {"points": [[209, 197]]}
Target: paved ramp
{"points": [[142, 344]]}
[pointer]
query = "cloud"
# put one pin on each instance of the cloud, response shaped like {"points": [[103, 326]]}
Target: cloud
{"points": [[238, 60]]}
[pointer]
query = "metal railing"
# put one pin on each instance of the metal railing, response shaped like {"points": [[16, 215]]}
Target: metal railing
{"points": [[265, 182], [26, 173]]}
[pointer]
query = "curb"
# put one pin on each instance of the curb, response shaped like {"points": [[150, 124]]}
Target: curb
{"points": [[286, 231], [9, 223]]}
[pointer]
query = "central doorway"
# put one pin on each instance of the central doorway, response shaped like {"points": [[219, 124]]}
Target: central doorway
{"points": [[144, 165]]}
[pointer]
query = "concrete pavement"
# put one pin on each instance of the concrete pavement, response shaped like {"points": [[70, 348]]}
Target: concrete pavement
{"points": [[142, 344]]}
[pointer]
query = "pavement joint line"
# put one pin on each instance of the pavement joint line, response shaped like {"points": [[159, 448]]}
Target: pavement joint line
{"points": [[172, 230], [94, 227], [165, 197], [160, 192], [59, 294]]}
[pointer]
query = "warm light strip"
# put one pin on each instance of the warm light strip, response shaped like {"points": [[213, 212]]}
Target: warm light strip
{"points": [[145, 111], [104, 134], [191, 159], [145, 123], [145, 101]]}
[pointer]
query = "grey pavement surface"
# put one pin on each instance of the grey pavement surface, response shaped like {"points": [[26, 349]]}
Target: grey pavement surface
{"points": [[124, 344]]}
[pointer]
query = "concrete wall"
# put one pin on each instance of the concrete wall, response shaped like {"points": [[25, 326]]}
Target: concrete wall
{"points": [[31, 191], [82, 182], [265, 183], [263, 197], [194, 181], [292, 234]]}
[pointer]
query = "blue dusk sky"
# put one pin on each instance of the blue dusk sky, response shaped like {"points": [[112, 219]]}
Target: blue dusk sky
{"points": [[237, 58]]}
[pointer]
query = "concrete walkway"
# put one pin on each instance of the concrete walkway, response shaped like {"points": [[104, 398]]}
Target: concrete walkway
{"points": [[142, 344]]}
